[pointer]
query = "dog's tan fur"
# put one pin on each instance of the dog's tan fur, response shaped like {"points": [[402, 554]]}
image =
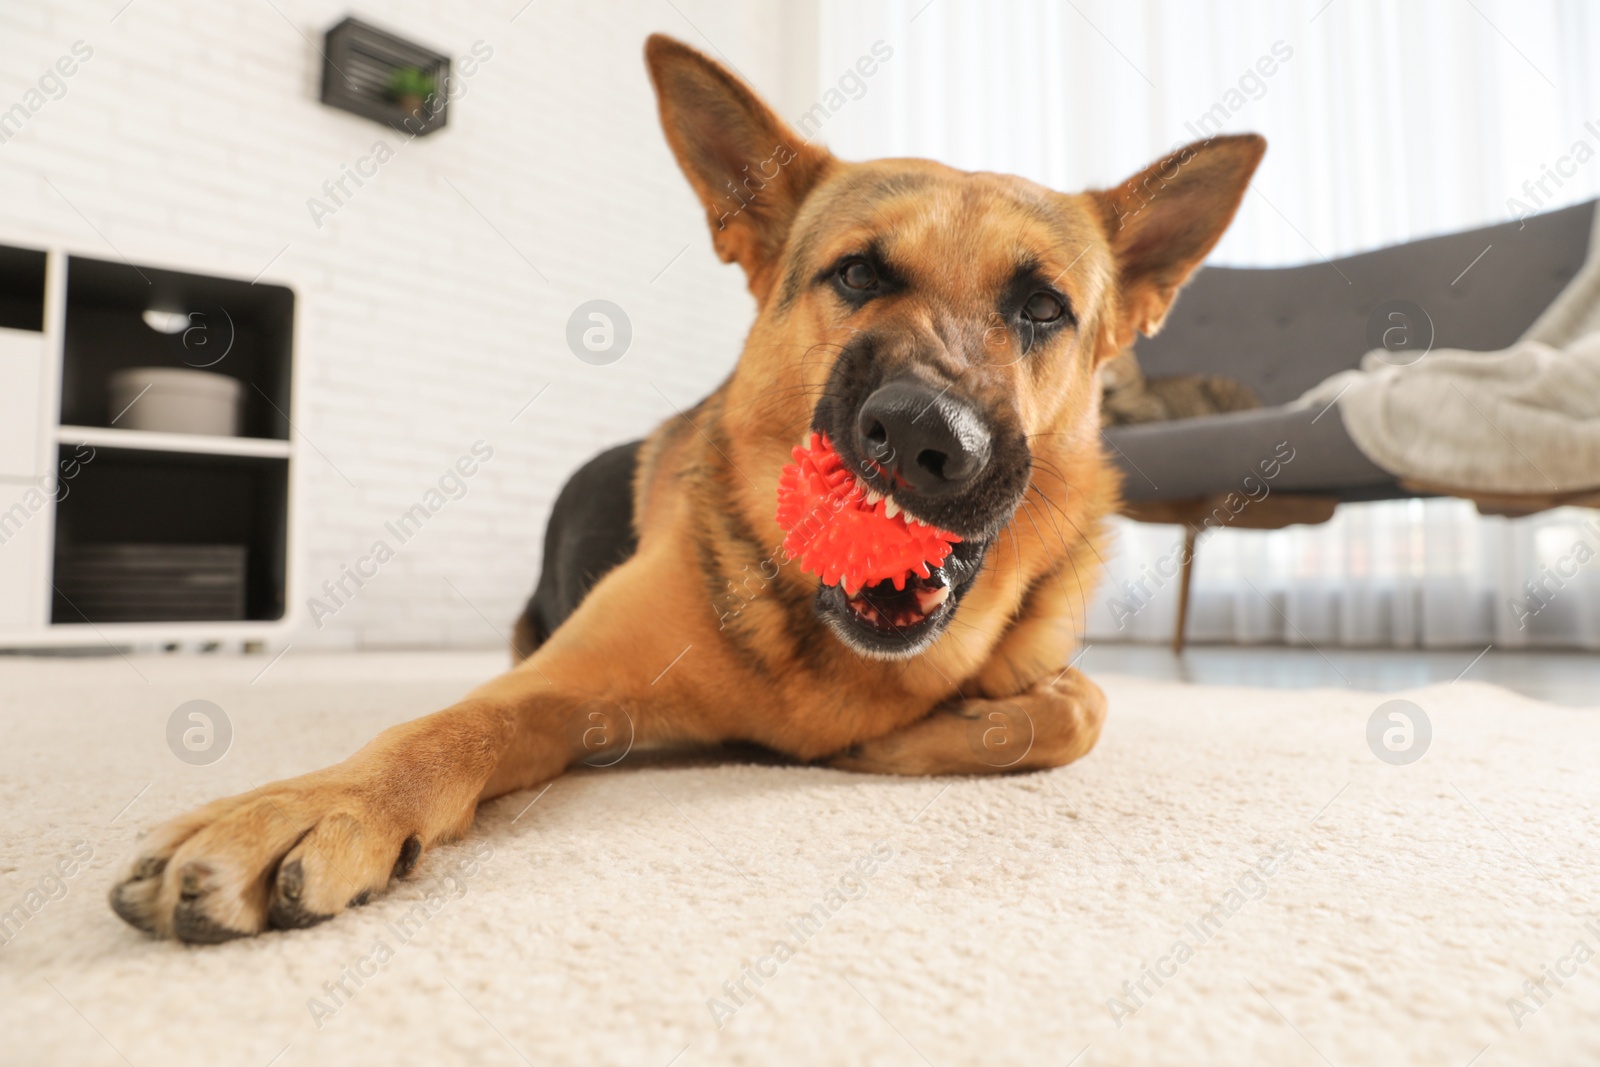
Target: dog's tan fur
{"points": [[994, 692]]}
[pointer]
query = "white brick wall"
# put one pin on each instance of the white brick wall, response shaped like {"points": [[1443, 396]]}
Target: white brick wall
{"points": [[193, 139]]}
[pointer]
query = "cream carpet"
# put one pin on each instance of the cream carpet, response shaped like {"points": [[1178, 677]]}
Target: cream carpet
{"points": [[1332, 907]]}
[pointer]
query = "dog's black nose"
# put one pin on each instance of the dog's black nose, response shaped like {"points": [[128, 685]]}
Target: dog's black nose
{"points": [[934, 443]]}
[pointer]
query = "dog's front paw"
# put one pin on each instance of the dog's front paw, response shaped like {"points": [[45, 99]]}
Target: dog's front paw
{"points": [[285, 856], [890, 754]]}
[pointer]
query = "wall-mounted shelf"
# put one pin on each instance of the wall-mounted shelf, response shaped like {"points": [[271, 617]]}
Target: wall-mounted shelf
{"points": [[92, 513], [360, 63], [199, 444]]}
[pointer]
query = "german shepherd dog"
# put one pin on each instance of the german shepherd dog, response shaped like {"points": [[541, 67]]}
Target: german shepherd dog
{"points": [[944, 330]]}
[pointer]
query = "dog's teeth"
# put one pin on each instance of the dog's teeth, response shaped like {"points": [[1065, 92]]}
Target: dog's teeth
{"points": [[890, 508], [873, 496], [928, 600]]}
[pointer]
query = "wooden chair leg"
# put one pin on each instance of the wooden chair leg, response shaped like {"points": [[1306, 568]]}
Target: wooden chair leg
{"points": [[1181, 625]]}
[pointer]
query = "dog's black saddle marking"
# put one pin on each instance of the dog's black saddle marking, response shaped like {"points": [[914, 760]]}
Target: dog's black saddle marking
{"points": [[590, 532]]}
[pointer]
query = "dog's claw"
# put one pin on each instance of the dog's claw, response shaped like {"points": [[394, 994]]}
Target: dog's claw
{"points": [[407, 860], [289, 915], [291, 880], [132, 900], [191, 923], [191, 880], [148, 867], [287, 912]]}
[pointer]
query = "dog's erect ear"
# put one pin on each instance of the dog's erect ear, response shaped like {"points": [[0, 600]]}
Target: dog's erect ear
{"points": [[1164, 220], [747, 166]]}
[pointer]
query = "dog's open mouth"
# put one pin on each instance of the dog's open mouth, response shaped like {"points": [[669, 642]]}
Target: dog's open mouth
{"points": [[886, 622], [884, 607]]}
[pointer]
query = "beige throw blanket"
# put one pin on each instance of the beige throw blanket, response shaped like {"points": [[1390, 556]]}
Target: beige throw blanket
{"points": [[1522, 420]]}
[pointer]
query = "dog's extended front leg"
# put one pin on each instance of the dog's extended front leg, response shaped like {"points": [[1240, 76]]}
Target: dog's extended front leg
{"points": [[299, 851], [1049, 725]]}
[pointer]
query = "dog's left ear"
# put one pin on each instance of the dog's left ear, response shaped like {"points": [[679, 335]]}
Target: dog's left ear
{"points": [[1162, 222], [749, 168]]}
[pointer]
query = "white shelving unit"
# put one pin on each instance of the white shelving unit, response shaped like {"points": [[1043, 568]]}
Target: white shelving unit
{"points": [[69, 480]]}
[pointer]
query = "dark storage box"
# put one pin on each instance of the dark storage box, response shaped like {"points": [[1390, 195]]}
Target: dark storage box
{"points": [[150, 583]]}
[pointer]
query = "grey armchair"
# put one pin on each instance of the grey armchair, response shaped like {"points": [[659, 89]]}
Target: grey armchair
{"points": [[1283, 330]]}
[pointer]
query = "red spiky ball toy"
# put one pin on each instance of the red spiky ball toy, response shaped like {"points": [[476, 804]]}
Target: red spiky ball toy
{"points": [[841, 537]]}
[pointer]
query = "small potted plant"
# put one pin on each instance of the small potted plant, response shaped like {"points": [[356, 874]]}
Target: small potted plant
{"points": [[410, 87]]}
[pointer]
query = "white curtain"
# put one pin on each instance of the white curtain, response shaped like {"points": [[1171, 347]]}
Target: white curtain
{"points": [[1408, 573], [1386, 121]]}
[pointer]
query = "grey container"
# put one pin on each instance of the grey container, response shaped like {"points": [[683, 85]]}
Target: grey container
{"points": [[174, 400]]}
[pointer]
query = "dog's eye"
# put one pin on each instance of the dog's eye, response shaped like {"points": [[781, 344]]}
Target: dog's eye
{"points": [[1044, 307], [858, 274]]}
